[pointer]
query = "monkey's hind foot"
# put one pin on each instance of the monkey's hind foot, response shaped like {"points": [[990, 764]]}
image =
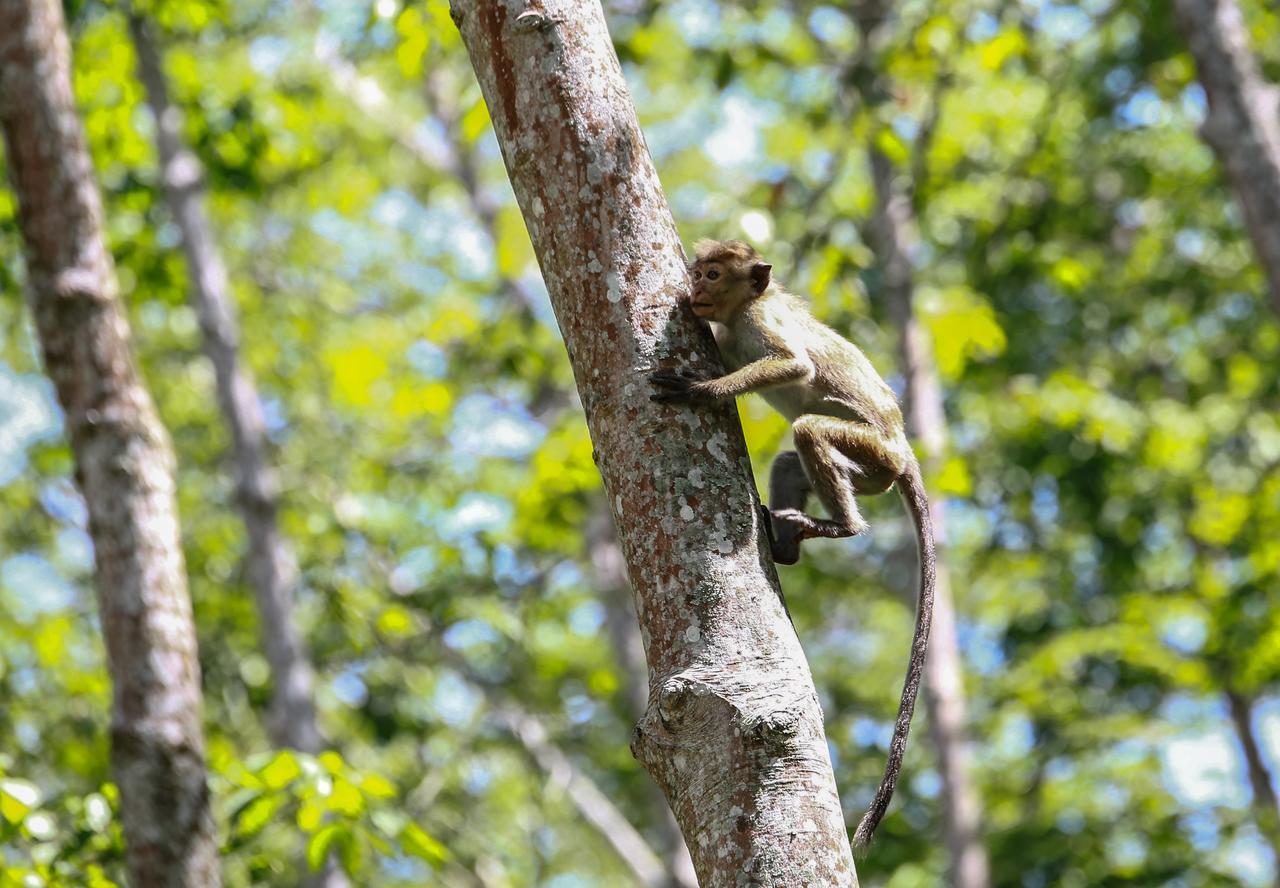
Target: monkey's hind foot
{"points": [[787, 531]]}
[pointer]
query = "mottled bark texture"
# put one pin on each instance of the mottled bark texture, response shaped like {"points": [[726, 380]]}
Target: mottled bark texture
{"points": [[733, 731], [609, 576], [269, 559], [927, 425], [1243, 123], [124, 462]]}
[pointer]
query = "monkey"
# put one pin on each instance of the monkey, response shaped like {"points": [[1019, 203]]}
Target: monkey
{"points": [[848, 430]]}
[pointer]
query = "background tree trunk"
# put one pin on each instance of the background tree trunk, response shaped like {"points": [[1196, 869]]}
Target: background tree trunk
{"points": [[124, 462], [1243, 124], [733, 733], [269, 560], [927, 425]]}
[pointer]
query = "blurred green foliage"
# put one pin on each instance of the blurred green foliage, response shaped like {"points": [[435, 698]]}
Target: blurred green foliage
{"points": [[1112, 384]]}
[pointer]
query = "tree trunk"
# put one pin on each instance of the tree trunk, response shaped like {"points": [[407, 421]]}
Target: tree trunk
{"points": [[124, 462], [1243, 123], [609, 575], [926, 423], [269, 560], [733, 733]]}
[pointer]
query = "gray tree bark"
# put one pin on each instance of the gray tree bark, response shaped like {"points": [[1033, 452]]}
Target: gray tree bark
{"points": [[1243, 123], [124, 460], [609, 575], [733, 732], [926, 423], [269, 560]]}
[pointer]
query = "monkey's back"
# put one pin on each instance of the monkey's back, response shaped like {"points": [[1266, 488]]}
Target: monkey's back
{"points": [[844, 382]]}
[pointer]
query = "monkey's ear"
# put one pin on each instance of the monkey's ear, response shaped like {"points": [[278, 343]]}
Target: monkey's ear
{"points": [[760, 277]]}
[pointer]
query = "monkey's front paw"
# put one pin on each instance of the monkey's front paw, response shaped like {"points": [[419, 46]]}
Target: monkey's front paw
{"points": [[678, 385]]}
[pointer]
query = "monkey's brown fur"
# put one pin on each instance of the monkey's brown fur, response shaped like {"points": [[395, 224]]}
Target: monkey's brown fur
{"points": [[846, 422]]}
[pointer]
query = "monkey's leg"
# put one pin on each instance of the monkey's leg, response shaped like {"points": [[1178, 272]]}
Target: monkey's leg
{"points": [[789, 490], [842, 458]]}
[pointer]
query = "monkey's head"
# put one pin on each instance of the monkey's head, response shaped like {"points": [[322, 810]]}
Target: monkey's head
{"points": [[726, 276]]}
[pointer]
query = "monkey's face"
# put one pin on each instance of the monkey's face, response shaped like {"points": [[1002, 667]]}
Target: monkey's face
{"points": [[717, 292]]}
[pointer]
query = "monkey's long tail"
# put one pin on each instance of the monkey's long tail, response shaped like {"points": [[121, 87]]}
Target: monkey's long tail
{"points": [[911, 486]]}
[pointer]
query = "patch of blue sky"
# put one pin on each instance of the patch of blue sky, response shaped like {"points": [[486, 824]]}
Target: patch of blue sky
{"points": [[570, 880], [427, 358], [905, 126], [1185, 633], [275, 416], [75, 549], [444, 228], [1249, 857], [1013, 738], [476, 513], [1061, 22], [1266, 722], [28, 415], [349, 687], [1142, 109], [357, 245], [63, 502], [413, 570], [871, 732], [811, 87], [980, 647], [1194, 104], [470, 633], [564, 577], [1204, 767], [267, 54], [697, 21], [456, 701], [586, 619], [579, 708], [927, 784], [735, 142], [833, 26], [36, 586], [510, 569], [426, 280], [679, 132], [485, 426], [982, 27]]}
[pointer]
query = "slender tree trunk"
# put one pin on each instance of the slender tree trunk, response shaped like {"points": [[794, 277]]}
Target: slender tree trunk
{"points": [[733, 732], [1243, 123], [926, 423], [1265, 805], [269, 559], [609, 571], [124, 461]]}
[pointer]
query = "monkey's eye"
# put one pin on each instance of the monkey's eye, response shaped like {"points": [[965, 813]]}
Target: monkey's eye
{"points": [[697, 274], [713, 275]]}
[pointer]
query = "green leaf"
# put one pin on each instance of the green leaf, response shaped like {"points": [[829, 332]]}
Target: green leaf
{"points": [[318, 847], [282, 770], [420, 843]]}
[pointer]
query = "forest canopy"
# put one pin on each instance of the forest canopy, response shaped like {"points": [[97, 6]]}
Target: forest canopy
{"points": [[1085, 279]]}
